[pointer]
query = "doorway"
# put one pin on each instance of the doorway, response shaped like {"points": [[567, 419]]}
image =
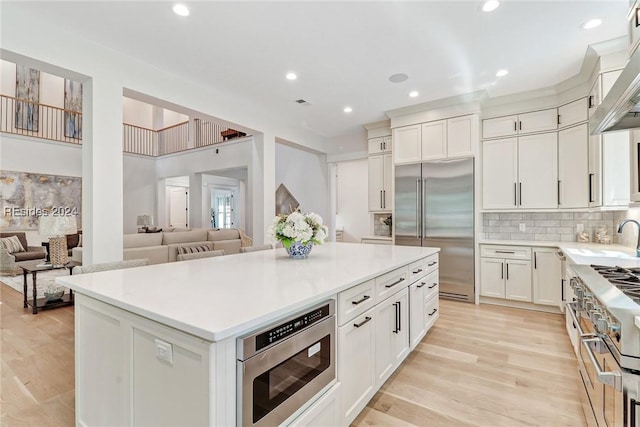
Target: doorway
{"points": [[223, 209]]}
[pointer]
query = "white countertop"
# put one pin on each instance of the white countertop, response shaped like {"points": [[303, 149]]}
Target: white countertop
{"points": [[220, 297]]}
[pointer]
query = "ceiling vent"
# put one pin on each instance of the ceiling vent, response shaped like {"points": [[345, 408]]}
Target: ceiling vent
{"points": [[302, 102]]}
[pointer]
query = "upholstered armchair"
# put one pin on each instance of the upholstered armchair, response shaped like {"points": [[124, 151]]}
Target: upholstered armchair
{"points": [[7, 261]]}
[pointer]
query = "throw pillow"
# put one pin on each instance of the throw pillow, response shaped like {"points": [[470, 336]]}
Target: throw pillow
{"points": [[192, 249], [11, 244]]}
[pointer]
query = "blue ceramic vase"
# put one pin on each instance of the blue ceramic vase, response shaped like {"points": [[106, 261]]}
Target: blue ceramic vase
{"points": [[299, 250]]}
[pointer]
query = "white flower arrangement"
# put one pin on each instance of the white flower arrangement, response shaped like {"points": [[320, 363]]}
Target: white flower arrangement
{"points": [[298, 227]]}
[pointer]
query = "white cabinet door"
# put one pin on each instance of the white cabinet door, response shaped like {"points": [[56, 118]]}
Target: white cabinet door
{"points": [[462, 132], [407, 144], [376, 182], [595, 96], [400, 339], [432, 311], [356, 359], [573, 113], [500, 126], [376, 146], [387, 176], [417, 302], [616, 168], [324, 412], [387, 144], [538, 121], [392, 334], [518, 280], [492, 277], [434, 140], [547, 277], [573, 167], [538, 171], [595, 170], [499, 173]]}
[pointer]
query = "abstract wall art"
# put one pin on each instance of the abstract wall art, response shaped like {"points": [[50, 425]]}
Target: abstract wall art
{"points": [[72, 109], [28, 98]]}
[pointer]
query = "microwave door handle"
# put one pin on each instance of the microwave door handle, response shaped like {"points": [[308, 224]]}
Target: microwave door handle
{"points": [[613, 378]]}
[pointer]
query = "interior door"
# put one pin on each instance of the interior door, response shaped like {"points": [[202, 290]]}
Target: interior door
{"points": [[178, 207]]}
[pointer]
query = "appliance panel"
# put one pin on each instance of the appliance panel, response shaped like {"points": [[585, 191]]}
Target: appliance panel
{"points": [[408, 205], [456, 269]]}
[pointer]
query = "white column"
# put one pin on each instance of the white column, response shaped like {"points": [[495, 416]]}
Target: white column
{"points": [[102, 171], [330, 221], [263, 176], [195, 201]]}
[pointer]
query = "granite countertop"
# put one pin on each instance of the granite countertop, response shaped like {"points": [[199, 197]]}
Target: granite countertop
{"points": [[217, 298]]}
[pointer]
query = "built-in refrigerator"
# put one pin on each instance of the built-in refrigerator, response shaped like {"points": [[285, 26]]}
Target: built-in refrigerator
{"points": [[434, 207]]}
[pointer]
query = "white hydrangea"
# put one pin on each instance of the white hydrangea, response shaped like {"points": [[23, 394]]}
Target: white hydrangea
{"points": [[298, 227]]}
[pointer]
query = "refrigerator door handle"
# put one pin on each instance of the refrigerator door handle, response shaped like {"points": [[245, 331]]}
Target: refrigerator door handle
{"points": [[418, 209]]}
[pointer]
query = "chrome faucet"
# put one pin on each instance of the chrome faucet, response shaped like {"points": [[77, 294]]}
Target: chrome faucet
{"points": [[636, 223]]}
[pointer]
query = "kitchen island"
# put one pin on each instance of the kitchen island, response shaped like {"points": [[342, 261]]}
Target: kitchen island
{"points": [[156, 345]]}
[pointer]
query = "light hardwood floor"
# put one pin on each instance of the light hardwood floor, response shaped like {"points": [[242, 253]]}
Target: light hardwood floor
{"points": [[479, 366], [484, 366]]}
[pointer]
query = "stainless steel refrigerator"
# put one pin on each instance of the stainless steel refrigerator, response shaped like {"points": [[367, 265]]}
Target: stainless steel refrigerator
{"points": [[434, 207]]}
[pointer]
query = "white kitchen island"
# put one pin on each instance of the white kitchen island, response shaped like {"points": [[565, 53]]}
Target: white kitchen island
{"points": [[128, 323]]}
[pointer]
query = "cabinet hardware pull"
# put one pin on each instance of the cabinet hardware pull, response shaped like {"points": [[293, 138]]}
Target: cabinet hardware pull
{"points": [[380, 199], [417, 271], [395, 283], [535, 260], [399, 316], [520, 125], [558, 118], [520, 195], [515, 126], [395, 326], [590, 101], [591, 188], [502, 270], [562, 289], [433, 286], [505, 252], [507, 271], [384, 198], [634, 403], [381, 147], [366, 319], [421, 285], [435, 310], [431, 264], [364, 298], [515, 194], [559, 192]]}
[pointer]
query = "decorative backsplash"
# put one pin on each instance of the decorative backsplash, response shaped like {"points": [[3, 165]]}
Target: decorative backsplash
{"points": [[380, 229], [549, 226]]}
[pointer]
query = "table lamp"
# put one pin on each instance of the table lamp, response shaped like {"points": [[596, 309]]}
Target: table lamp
{"points": [[55, 228], [144, 221]]}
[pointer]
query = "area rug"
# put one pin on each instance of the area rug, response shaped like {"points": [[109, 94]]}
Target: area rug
{"points": [[44, 280]]}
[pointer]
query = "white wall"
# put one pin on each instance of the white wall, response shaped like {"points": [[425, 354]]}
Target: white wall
{"points": [[137, 113], [352, 204], [51, 86], [305, 175], [139, 195]]}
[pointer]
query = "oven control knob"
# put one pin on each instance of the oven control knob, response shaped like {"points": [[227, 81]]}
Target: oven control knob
{"points": [[595, 315], [602, 325], [588, 305]]}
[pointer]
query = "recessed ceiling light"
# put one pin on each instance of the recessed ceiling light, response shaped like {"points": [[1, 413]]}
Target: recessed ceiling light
{"points": [[592, 24], [291, 76], [414, 93], [502, 73], [398, 78], [490, 5], [180, 9], [347, 109]]}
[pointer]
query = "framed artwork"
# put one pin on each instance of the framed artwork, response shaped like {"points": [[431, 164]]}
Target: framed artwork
{"points": [[285, 202], [28, 98], [72, 109]]}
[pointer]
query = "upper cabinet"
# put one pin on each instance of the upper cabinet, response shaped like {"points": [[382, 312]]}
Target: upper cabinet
{"points": [[380, 145], [536, 121], [573, 113], [595, 96], [440, 139], [573, 167]]}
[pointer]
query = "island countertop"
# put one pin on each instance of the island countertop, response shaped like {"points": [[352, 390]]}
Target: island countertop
{"points": [[220, 297]]}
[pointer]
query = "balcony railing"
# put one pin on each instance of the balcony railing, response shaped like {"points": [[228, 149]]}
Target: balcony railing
{"points": [[21, 117]]}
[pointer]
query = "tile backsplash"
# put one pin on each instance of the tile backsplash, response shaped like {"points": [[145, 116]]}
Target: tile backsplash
{"points": [[550, 226]]}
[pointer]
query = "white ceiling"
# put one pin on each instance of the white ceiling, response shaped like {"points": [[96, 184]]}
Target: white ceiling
{"points": [[344, 52]]}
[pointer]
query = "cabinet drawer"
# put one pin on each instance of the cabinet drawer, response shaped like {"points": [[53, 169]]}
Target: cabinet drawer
{"points": [[355, 301], [390, 283], [421, 268], [510, 252], [431, 311], [430, 284]]}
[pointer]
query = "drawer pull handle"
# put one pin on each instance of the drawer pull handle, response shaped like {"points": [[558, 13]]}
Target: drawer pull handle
{"points": [[431, 264], [433, 286], [366, 319], [421, 285], [417, 271], [395, 283], [433, 312], [505, 252], [364, 298]]}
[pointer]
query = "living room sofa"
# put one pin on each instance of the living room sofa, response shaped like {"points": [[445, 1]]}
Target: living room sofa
{"points": [[30, 253], [164, 246]]}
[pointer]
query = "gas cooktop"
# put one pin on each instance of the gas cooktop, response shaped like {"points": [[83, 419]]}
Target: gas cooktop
{"points": [[625, 279]]}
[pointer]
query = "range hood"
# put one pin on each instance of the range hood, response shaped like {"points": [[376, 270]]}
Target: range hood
{"points": [[620, 109]]}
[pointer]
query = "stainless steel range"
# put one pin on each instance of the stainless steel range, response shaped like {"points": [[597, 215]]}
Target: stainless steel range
{"points": [[607, 300]]}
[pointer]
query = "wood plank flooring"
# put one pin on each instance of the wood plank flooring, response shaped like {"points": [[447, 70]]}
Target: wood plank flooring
{"points": [[483, 366], [479, 366]]}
